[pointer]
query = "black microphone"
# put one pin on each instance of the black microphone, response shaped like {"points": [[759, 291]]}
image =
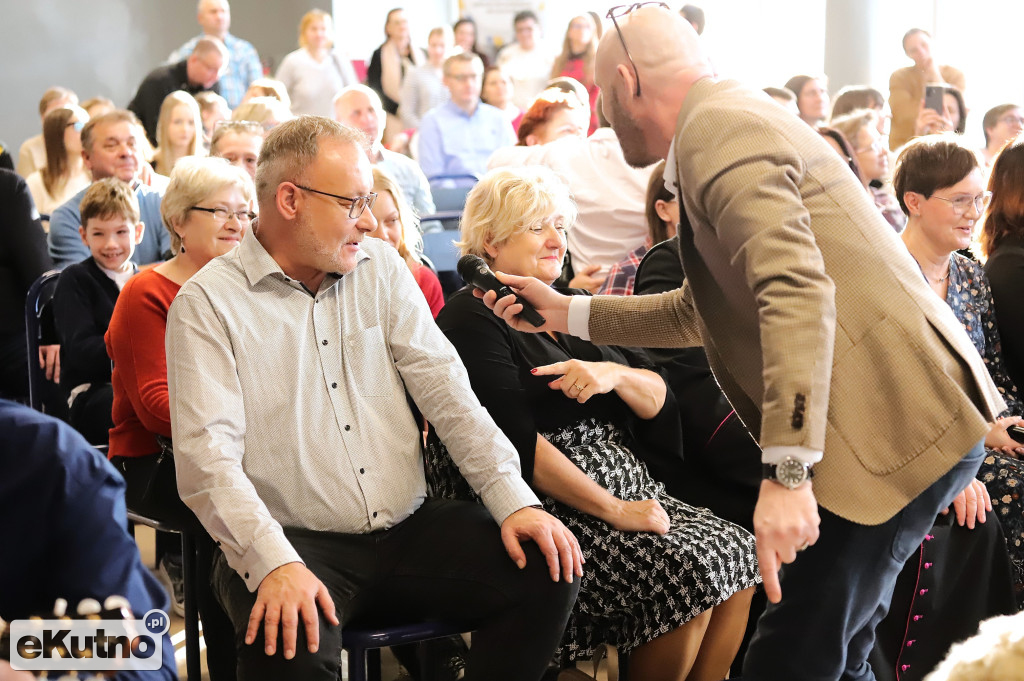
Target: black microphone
{"points": [[475, 271]]}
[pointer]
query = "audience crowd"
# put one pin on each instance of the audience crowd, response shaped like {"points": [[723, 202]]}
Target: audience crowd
{"points": [[255, 316]]}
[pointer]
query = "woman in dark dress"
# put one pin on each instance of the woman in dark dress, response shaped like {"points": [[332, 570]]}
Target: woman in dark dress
{"points": [[668, 582], [940, 186]]}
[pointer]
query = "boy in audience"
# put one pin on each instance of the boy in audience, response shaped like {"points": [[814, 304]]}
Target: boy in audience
{"points": [[239, 143], [85, 297]]}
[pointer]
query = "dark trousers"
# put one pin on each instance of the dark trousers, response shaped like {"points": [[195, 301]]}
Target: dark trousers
{"points": [[837, 591], [446, 562], [90, 415]]}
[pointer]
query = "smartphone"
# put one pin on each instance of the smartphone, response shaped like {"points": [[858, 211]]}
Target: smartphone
{"points": [[1016, 432], [933, 98]]}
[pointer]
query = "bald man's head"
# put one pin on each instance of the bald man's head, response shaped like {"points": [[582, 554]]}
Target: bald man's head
{"points": [[643, 98]]}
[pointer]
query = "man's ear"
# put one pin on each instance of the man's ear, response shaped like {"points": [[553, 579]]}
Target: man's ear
{"points": [[628, 79], [287, 200], [140, 230]]}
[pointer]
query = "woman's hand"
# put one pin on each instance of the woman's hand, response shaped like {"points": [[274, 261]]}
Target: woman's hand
{"points": [[580, 380], [999, 439], [639, 516], [930, 121], [589, 279]]}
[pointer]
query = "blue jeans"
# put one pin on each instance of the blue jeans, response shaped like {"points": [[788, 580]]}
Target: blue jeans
{"points": [[837, 591]]}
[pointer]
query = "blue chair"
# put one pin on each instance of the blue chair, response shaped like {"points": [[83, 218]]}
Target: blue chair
{"points": [[449, 191], [439, 248], [37, 302], [363, 645], [441, 221]]}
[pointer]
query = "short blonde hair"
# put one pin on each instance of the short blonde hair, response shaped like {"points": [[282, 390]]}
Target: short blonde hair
{"points": [[192, 180], [171, 102], [508, 201], [411, 243], [267, 111], [293, 146], [996, 652], [311, 16], [109, 198], [852, 123], [233, 128], [268, 87]]}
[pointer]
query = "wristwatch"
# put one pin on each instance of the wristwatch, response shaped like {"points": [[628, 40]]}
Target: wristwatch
{"points": [[790, 472]]}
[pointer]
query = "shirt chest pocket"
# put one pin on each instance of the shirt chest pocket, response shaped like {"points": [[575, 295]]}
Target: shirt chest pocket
{"points": [[368, 363]]}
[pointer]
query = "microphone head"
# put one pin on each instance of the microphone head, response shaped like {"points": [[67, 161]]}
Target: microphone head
{"points": [[469, 265]]}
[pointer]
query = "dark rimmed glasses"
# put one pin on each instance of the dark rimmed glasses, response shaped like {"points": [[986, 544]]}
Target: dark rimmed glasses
{"points": [[619, 11], [357, 204]]}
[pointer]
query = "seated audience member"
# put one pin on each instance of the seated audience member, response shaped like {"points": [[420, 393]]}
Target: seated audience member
{"points": [[358, 539], [853, 97], [397, 225], [1002, 241], [32, 154], [423, 88], [553, 115], [6, 160], [526, 61], [1001, 124], [178, 131], [497, 91], [579, 53], [907, 84], [84, 300], [198, 72], [666, 582], [212, 109], [609, 196], [952, 118], [662, 218], [64, 174], [316, 72], [206, 212], [995, 653], [459, 136], [784, 97], [109, 150], [267, 111], [268, 87], [47, 471], [464, 33], [243, 63], [389, 64], [811, 98], [360, 107], [23, 259], [939, 185], [238, 142], [97, 106], [695, 16], [860, 128]]}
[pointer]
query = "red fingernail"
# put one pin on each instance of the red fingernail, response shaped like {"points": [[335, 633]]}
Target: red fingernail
{"points": [[533, 371]]}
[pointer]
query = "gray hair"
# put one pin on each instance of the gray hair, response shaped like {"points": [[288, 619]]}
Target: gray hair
{"points": [[293, 146], [193, 179]]}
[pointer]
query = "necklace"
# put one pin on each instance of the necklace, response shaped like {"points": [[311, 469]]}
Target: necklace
{"points": [[937, 281]]}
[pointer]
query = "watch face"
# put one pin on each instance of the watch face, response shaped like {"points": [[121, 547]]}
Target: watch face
{"points": [[791, 473]]}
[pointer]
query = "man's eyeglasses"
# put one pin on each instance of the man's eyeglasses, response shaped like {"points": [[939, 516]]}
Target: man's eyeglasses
{"points": [[615, 13], [1010, 119], [222, 215], [357, 204], [962, 204]]}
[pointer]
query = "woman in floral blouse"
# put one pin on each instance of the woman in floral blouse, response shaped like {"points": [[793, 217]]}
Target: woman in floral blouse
{"points": [[941, 188]]}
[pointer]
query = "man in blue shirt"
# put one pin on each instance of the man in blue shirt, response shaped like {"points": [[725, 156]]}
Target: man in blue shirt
{"points": [[108, 147], [243, 65], [65, 530], [459, 136]]}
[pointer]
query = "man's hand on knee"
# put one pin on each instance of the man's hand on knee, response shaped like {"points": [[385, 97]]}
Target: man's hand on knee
{"points": [[785, 523], [286, 595], [554, 539]]}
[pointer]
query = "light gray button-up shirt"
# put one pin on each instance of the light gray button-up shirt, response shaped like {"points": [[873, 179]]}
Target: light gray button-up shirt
{"points": [[289, 409]]}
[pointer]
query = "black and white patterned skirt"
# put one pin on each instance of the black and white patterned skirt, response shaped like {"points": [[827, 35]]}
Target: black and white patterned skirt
{"points": [[636, 585]]}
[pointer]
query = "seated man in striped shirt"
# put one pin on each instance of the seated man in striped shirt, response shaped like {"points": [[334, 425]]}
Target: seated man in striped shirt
{"points": [[289, 364]]}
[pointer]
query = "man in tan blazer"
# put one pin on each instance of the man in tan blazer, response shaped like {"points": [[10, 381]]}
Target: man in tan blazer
{"points": [[819, 327]]}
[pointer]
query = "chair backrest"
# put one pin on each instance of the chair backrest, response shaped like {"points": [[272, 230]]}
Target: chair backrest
{"points": [[449, 191], [439, 248], [37, 305], [445, 220]]}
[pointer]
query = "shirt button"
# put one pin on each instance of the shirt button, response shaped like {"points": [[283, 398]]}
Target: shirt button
{"points": [[348, 427], [324, 341], [374, 514], [334, 385], [247, 575], [361, 471]]}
